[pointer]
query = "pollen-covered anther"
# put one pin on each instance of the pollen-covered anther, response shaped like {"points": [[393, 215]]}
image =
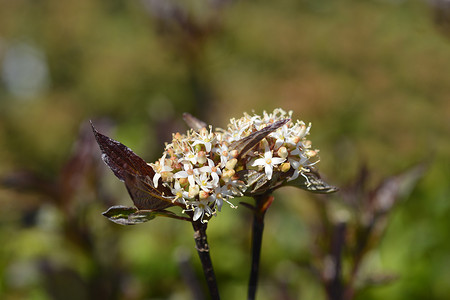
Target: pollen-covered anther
{"points": [[282, 152], [285, 167]]}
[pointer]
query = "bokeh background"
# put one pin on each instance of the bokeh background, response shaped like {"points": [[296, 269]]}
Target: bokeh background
{"points": [[371, 75]]}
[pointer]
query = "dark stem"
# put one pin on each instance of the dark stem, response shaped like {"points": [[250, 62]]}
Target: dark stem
{"points": [[262, 203], [335, 286], [201, 244]]}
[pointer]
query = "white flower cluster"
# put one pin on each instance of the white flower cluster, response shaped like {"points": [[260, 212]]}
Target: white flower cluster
{"points": [[200, 167]]}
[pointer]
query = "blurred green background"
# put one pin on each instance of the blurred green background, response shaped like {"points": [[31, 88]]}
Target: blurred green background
{"points": [[372, 77]]}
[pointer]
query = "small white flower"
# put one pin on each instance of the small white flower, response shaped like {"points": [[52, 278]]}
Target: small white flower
{"points": [[235, 187], [191, 156], [214, 171], [298, 166], [159, 168], [282, 136], [220, 195], [188, 173], [205, 138], [179, 192], [204, 183], [268, 162], [224, 155], [201, 208]]}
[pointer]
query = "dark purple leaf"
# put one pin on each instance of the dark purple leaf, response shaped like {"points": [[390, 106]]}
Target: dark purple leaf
{"points": [[124, 215], [121, 159], [385, 196], [193, 122], [135, 172], [247, 143]]}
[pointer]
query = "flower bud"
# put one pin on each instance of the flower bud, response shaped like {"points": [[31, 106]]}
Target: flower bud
{"points": [[296, 139], [193, 191], [307, 144], [311, 153], [282, 152], [228, 174], [203, 195], [285, 167], [167, 176], [231, 164], [183, 181], [302, 130], [201, 157]]}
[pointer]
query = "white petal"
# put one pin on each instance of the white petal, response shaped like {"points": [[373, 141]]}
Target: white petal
{"points": [[191, 180], [294, 176], [277, 160], [155, 180], [208, 147], [268, 154], [180, 174], [259, 162], [198, 212], [268, 171]]}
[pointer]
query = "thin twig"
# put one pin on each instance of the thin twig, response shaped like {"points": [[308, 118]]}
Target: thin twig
{"points": [[201, 244], [262, 203]]}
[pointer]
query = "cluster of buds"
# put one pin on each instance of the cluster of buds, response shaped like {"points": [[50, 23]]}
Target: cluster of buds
{"points": [[205, 167]]}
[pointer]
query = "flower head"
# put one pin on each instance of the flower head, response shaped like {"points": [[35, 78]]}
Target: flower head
{"points": [[268, 162], [206, 168]]}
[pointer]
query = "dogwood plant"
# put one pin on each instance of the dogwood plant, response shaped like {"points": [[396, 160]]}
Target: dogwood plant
{"points": [[200, 170]]}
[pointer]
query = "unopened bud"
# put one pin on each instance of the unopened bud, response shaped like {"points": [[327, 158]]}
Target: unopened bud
{"points": [[311, 153], [302, 130], [193, 191], [167, 176], [203, 131], [228, 174], [282, 152], [307, 143], [234, 153], [231, 164], [177, 136], [285, 167], [203, 195], [183, 181], [201, 157]]}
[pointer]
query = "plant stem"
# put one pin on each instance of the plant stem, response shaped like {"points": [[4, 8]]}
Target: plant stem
{"points": [[262, 203], [201, 244]]}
